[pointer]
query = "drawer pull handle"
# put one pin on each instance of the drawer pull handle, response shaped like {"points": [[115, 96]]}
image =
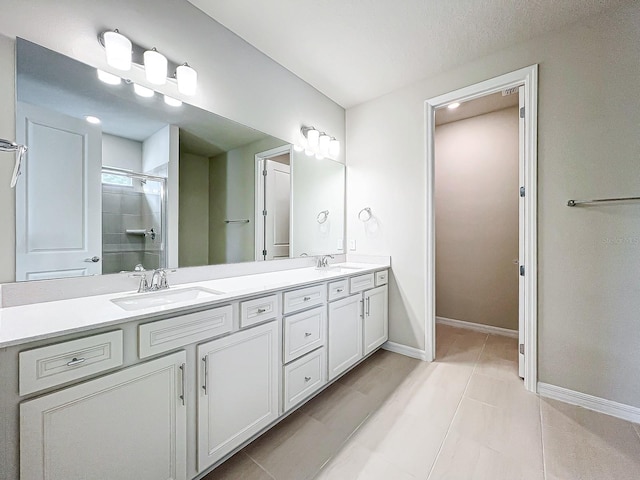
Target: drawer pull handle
{"points": [[306, 299], [308, 334], [75, 361], [339, 290], [262, 310], [307, 379]]}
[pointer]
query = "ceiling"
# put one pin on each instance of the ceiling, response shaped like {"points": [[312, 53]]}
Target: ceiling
{"points": [[354, 51], [479, 106]]}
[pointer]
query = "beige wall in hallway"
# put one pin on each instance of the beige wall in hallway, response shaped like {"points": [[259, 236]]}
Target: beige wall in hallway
{"points": [[477, 219]]}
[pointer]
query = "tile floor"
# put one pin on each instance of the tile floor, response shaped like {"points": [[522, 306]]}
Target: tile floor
{"points": [[465, 416]]}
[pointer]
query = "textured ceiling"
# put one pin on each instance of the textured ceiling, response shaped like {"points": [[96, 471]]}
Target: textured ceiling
{"points": [[356, 50]]}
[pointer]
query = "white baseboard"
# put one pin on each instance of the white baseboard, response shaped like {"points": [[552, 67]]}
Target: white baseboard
{"points": [[478, 327], [405, 350], [602, 405]]}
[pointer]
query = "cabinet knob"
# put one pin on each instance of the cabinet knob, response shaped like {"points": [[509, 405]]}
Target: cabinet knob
{"points": [[306, 299], [308, 334], [307, 379], [262, 310], [340, 290]]}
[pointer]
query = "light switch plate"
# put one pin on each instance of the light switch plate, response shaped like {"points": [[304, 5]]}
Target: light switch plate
{"points": [[339, 244], [352, 244]]}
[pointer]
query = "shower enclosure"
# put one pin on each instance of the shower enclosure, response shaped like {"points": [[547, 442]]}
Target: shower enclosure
{"points": [[133, 220]]}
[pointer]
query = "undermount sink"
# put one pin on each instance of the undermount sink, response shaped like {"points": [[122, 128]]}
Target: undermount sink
{"points": [[164, 297]]}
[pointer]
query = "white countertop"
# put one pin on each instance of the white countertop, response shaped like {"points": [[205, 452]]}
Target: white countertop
{"points": [[39, 321]]}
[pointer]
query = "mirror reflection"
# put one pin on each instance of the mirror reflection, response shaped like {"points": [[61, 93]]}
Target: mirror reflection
{"points": [[114, 180]]}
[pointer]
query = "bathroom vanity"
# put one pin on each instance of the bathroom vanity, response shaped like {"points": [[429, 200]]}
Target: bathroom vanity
{"points": [[167, 385]]}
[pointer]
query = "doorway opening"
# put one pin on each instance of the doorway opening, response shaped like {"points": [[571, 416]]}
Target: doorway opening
{"points": [[522, 83], [273, 203]]}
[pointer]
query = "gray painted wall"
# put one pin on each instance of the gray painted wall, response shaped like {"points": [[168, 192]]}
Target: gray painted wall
{"points": [[193, 218], [589, 112]]}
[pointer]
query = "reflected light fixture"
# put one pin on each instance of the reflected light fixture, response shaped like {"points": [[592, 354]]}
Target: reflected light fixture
{"points": [[92, 119], [453, 106], [187, 79], [298, 148], [308, 153], [108, 78], [118, 48], [172, 102], [143, 91], [155, 67]]}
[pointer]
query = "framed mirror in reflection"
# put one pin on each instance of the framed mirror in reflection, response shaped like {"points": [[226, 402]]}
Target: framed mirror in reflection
{"points": [[115, 180]]}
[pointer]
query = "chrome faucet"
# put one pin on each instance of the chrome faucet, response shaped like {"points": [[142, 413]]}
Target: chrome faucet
{"points": [[144, 284], [159, 280], [322, 261]]}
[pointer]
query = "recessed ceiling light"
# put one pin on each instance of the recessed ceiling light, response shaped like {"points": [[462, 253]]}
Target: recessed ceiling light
{"points": [[453, 106], [108, 78], [143, 91], [172, 102], [92, 119]]}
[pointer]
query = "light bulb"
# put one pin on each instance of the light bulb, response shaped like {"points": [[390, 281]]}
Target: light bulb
{"points": [[92, 119], [323, 143], [172, 102], [143, 91], [298, 148], [118, 49], [308, 152], [313, 137], [453, 106], [108, 78], [155, 67], [187, 79], [334, 147]]}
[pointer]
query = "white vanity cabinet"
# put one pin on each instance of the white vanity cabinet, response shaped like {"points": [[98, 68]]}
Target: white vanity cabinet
{"points": [[238, 379], [128, 424], [376, 318], [345, 334]]}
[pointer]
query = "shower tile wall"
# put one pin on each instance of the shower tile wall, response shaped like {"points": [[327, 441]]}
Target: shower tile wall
{"points": [[129, 208]]}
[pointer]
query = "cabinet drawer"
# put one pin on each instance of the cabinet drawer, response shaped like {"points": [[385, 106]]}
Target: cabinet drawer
{"points": [[361, 282], [303, 298], [382, 278], [303, 377], [338, 289], [164, 335], [53, 365], [303, 332], [258, 310]]}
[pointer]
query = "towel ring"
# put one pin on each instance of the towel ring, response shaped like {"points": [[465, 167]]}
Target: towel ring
{"points": [[322, 216], [365, 214]]}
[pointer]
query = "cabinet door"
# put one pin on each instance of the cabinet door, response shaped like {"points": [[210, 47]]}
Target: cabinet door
{"points": [[238, 394], [129, 424], [345, 334], [376, 318]]}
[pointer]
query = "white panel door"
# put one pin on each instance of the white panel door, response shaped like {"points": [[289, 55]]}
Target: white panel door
{"points": [[238, 394], [58, 196], [129, 424], [376, 318], [277, 205], [345, 334], [521, 238]]}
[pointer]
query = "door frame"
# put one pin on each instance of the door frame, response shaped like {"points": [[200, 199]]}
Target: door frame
{"points": [[527, 77], [259, 195]]}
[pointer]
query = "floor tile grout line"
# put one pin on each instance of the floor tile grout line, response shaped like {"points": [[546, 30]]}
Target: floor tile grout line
{"points": [[475, 365], [258, 464], [544, 458]]}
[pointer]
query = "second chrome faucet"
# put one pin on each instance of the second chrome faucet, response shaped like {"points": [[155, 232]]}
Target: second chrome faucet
{"points": [[158, 280]]}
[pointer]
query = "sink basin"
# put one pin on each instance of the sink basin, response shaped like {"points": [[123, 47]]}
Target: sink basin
{"points": [[164, 297]]}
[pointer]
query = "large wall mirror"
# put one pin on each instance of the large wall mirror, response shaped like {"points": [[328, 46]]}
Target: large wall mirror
{"points": [[113, 179]]}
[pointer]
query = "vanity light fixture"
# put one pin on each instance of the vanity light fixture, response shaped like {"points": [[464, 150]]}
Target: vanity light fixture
{"points": [[172, 102], [334, 147], [143, 91], [319, 144], [187, 79], [298, 148], [323, 144], [453, 106], [122, 53], [308, 152], [118, 48], [108, 78], [92, 119], [155, 67]]}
